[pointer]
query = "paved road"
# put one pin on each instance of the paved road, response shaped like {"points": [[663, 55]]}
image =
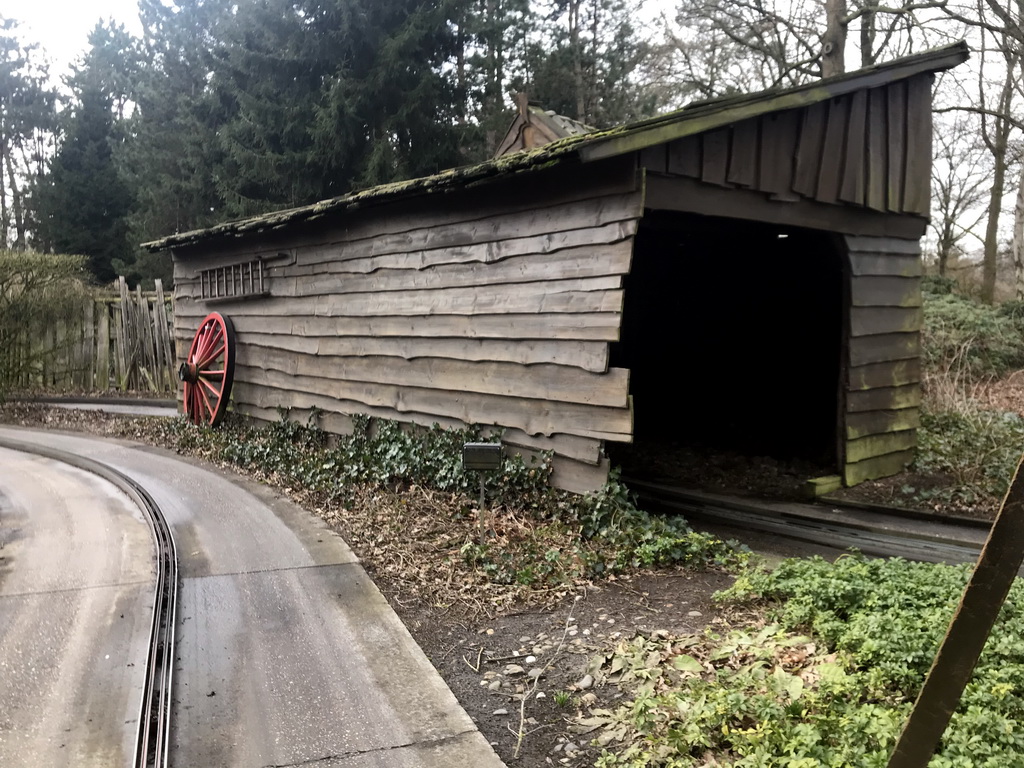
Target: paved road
{"points": [[76, 589], [287, 653], [142, 408]]}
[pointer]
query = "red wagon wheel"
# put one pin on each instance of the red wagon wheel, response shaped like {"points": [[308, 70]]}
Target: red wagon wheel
{"points": [[208, 370]]}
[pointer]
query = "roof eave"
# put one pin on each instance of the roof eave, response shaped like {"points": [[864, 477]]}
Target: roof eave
{"points": [[710, 115]]}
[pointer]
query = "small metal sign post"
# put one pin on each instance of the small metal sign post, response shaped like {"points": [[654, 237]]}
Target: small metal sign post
{"points": [[481, 457], [972, 623]]}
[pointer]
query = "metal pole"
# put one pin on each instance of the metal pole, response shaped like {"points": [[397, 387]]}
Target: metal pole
{"points": [[480, 511]]}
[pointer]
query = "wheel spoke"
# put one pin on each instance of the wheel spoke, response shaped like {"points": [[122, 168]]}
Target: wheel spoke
{"points": [[197, 407], [214, 390], [210, 338], [210, 356], [199, 344], [190, 401], [208, 414]]}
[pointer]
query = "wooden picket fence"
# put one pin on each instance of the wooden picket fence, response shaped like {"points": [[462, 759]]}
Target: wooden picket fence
{"points": [[119, 340]]}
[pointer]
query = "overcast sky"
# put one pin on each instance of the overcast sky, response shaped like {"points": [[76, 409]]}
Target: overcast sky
{"points": [[62, 27]]}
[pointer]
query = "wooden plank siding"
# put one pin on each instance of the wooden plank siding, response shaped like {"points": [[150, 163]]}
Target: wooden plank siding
{"points": [[883, 365], [870, 149], [457, 310]]}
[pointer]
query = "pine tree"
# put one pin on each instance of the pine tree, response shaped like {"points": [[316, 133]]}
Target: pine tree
{"points": [[271, 64], [494, 39], [85, 203], [174, 152], [328, 96], [589, 64]]}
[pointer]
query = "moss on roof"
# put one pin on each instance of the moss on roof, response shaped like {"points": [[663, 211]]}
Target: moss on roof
{"points": [[694, 118]]}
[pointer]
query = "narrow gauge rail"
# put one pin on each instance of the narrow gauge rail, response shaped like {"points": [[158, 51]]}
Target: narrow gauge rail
{"points": [[879, 531], [153, 734]]}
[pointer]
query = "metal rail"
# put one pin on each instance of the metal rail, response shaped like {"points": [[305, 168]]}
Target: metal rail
{"points": [[152, 744], [882, 532], [152, 740]]}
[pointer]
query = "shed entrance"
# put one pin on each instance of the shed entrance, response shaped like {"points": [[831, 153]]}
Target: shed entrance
{"points": [[733, 333]]}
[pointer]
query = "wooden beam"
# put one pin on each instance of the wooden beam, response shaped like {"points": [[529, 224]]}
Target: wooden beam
{"points": [[886, 374], [672, 193], [884, 347], [600, 326], [877, 151], [881, 422], [743, 156], [970, 628], [880, 445], [716, 157], [852, 188], [917, 190], [869, 321]]}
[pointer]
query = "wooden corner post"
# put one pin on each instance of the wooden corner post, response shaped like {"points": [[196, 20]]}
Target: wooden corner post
{"points": [[972, 623]]}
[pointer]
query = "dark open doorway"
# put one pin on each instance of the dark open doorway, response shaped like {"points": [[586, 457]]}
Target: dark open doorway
{"points": [[733, 333]]}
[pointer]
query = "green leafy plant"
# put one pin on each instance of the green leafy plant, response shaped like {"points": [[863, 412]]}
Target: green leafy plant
{"points": [[827, 681]]}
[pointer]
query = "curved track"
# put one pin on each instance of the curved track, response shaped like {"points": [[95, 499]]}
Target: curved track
{"points": [[286, 653], [153, 734]]}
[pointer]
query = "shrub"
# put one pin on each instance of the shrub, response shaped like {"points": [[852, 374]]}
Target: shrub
{"points": [[977, 448], [37, 291], [969, 338]]}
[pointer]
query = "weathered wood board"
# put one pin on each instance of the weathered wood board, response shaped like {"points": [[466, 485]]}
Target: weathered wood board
{"points": [[870, 149], [494, 314], [883, 363]]}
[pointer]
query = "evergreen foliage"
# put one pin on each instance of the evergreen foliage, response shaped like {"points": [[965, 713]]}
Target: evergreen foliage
{"points": [[226, 108], [173, 157], [85, 204], [586, 65]]}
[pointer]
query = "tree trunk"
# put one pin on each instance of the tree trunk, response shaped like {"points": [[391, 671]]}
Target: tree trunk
{"points": [[867, 35], [1018, 238], [577, 54], [833, 43], [3, 193], [20, 242], [991, 257]]}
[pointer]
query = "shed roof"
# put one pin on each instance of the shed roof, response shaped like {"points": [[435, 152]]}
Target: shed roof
{"points": [[535, 126], [692, 119]]}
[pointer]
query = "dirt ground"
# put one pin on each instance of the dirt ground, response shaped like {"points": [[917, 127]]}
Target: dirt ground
{"points": [[491, 663]]}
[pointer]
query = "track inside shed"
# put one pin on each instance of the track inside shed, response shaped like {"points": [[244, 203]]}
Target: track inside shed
{"points": [[733, 334]]}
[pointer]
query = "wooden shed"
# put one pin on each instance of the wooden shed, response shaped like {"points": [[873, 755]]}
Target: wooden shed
{"points": [[746, 269]]}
